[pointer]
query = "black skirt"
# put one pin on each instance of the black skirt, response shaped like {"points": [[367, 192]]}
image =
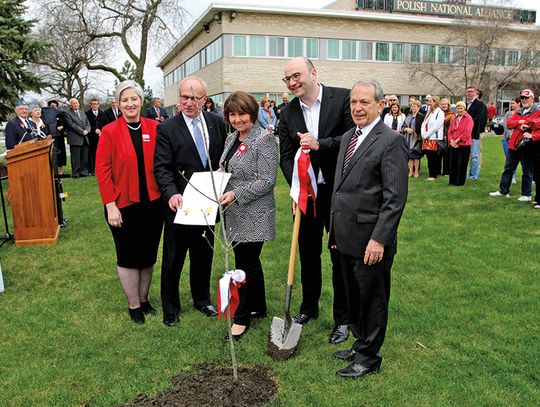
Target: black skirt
{"points": [[137, 241]]}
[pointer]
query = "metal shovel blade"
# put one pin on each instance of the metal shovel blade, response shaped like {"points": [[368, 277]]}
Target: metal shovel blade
{"points": [[284, 337]]}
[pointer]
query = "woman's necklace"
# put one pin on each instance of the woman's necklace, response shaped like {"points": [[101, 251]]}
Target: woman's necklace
{"points": [[135, 128]]}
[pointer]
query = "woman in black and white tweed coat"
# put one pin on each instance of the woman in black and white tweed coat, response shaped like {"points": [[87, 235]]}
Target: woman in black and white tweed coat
{"points": [[251, 156]]}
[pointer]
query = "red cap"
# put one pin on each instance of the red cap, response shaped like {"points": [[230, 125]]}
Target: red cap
{"points": [[527, 93]]}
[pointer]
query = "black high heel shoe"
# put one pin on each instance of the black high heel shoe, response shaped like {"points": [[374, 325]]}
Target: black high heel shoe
{"points": [[147, 308], [136, 315]]}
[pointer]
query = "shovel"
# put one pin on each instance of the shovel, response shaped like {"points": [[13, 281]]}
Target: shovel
{"points": [[284, 333]]}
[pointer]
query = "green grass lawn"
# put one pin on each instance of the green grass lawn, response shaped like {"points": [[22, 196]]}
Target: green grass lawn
{"points": [[463, 330]]}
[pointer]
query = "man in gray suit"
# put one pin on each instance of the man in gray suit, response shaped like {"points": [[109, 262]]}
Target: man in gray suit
{"points": [[370, 191], [77, 129]]}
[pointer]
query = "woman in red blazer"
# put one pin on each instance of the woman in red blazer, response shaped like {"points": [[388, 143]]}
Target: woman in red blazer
{"points": [[459, 143], [133, 205]]}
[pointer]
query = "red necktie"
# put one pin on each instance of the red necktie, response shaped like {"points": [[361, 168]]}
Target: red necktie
{"points": [[351, 148]]}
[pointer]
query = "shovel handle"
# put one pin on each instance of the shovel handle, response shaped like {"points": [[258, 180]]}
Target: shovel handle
{"points": [[294, 246]]}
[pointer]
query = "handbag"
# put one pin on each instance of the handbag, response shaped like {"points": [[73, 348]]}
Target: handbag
{"points": [[442, 146], [430, 145], [524, 142]]}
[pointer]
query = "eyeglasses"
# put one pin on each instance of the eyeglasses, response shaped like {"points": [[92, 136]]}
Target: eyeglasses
{"points": [[526, 97], [185, 98], [295, 76]]}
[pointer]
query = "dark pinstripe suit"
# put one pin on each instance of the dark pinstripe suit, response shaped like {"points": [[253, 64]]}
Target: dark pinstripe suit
{"points": [[367, 203]]}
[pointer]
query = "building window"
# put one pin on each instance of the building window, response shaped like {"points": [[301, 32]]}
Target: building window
{"points": [[429, 54], [498, 57], [444, 55], [366, 50], [295, 47], [257, 46], [239, 46], [513, 58], [472, 56], [397, 52], [312, 48], [333, 49], [348, 49], [276, 46], [458, 55], [382, 51], [416, 56]]}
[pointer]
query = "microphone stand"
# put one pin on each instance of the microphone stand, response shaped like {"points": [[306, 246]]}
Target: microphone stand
{"points": [[8, 236]]}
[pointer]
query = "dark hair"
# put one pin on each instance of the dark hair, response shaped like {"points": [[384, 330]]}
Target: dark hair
{"points": [[94, 100], [480, 93], [212, 104], [241, 102], [50, 102], [517, 100]]}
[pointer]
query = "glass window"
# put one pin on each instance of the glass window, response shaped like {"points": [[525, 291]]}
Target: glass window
{"points": [[348, 49], [213, 51], [366, 50], [296, 46], [498, 57], [444, 55], [536, 60], [472, 56], [458, 55], [429, 53], [415, 53], [382, 51], [513, 58], [333, 49], [276, 46], [312, 48], [239, 46], [397, 52], [257, 46]]}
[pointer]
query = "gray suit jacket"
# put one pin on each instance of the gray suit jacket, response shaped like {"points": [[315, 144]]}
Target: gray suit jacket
{"points": [[75, 126], [370, 196], [251, 217]]}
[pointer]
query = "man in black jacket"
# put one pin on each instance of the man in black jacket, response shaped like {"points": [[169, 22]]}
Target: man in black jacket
{"points": [[316, 118], [97, 120], [478, 111]]}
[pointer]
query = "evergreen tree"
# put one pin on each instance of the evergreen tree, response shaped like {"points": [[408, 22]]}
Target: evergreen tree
{"points": [[17, 50]]}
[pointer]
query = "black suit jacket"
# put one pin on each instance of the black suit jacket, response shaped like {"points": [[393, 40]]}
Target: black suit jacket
{"points": [[109, 115], [334, 120], [369, 197], [96, 122], [151, 113], [177, 154], [478, 112], [16, 131]]}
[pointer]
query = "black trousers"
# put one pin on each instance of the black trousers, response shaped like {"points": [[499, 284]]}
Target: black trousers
{"points": [[92, 148], [533, 153], [368, 294], [79, 160], [445, 162], [177, 240], [310, 249], [434, 163], [252, 293], [459, 159]]}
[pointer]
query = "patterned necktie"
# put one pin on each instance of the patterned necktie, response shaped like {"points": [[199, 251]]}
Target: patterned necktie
{"points": [[199, 141], [350, 149]]}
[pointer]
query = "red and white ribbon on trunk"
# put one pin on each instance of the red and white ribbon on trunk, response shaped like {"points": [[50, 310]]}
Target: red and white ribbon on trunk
{"points": [[304, 182], [228, 291]]}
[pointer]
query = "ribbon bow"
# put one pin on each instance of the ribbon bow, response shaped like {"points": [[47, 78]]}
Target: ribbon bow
{"points": [[228, 291]]}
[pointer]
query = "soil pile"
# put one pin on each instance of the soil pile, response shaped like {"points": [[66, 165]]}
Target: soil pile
{"points": [[214, 386]]}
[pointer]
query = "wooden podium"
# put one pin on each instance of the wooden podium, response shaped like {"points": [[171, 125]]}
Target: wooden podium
{"points": [[33, 194]]}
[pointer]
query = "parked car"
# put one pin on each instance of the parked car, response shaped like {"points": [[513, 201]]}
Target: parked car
{"points": [[497, 125]]}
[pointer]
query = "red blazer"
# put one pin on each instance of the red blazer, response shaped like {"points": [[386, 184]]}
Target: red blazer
{"points": [[116, 163], [517, 135], [461, 131]]}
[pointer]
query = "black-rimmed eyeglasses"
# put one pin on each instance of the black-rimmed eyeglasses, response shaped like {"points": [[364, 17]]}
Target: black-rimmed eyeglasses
{"points": [[295, 76]]}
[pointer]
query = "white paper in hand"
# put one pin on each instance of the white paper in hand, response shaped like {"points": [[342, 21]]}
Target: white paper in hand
{"points": [[199, 205]]}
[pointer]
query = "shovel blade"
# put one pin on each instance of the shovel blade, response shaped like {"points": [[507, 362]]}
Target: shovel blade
{"points": [[284, 338]]}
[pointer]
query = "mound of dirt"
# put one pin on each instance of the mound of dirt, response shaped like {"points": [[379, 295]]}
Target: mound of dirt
{"points": [[214, 386]]}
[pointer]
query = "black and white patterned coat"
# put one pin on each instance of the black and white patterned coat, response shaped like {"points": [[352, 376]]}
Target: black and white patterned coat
{"points": [[251, 217]]}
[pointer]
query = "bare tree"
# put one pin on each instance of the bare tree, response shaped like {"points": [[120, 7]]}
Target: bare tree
{"points": [[134, 25]]}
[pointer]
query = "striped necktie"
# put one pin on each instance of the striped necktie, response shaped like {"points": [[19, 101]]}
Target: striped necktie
{"points": [[350, 149], [199, 141]]}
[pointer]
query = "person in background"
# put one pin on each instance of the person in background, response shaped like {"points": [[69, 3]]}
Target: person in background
{"points": [[491, 113], [412, 130], [459, 143], [131, 196], [41, 128], [285, 102], [433, 131], [520, 123], [266, 117], [77, 128], [515, 105], [156, 112], [478, 111], [252, 159], [112, 113], [50, 114], [97, 120], [390, 100], [210, 106], [18, 130], [449, 116], [394, 118]]}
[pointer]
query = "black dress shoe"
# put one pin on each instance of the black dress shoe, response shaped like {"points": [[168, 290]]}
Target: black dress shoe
{"points": [[171, 319], [147, 308], [136, 315], [339, 334], [356, 370], [347, 354], [256, 314], [208, 310], [304, 318]]}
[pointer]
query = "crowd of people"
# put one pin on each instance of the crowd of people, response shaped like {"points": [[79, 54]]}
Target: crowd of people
{"points": [[362, 150]]}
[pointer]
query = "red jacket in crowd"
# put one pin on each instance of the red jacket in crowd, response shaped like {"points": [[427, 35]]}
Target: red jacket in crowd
{"points": [[492, 111], [531, 119], [116, 163], [461, 130]]}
